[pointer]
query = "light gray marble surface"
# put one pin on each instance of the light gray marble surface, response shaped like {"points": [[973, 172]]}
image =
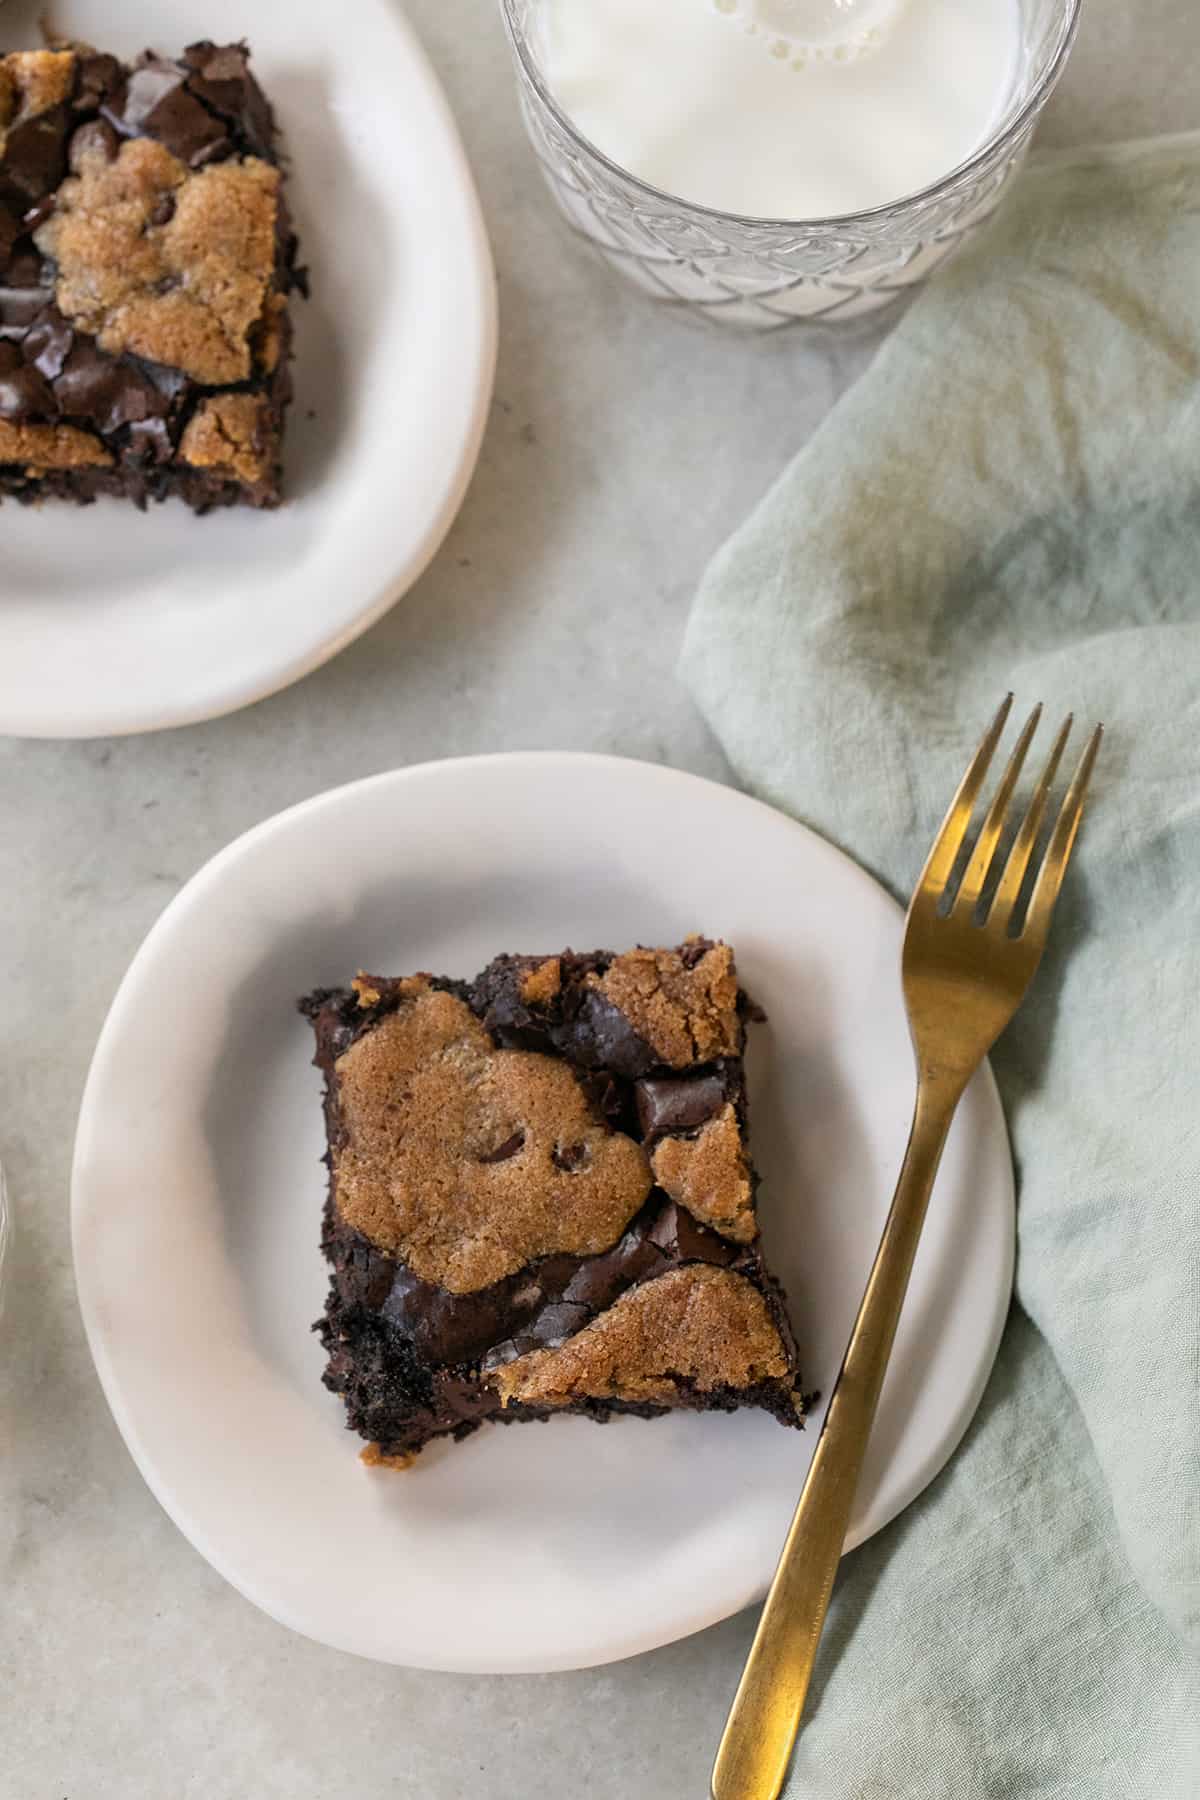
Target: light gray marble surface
{"points": [[623, 447]]}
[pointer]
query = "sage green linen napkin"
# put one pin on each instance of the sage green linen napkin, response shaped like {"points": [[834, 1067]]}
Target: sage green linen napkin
{"points": [[1010, 498]]}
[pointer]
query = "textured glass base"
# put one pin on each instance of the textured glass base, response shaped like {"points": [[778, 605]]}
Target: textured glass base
{"points": [[765, 274]]}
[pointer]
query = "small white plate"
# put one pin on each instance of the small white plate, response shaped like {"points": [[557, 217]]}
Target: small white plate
{"points": [[198, 1190], [112, 621]]}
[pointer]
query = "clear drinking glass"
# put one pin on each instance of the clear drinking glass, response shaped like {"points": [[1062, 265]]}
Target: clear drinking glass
{"points": [[766, 273]]}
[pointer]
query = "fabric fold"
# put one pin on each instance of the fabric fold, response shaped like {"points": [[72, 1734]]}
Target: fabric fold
{"points": [[1010, 499]]}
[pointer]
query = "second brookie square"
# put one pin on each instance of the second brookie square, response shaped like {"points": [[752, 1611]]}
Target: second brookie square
{"points": [[146, 261]]}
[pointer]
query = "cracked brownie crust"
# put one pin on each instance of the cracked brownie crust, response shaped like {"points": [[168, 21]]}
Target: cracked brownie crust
{"points": [[146, 260], [541, 1197]]}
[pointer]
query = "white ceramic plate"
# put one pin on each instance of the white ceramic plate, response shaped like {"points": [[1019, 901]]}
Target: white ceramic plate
{"points": [[111, 621], [198, 1190]]}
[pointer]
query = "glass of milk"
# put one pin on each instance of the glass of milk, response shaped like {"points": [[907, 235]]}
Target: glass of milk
{"points": [[770, 161]]}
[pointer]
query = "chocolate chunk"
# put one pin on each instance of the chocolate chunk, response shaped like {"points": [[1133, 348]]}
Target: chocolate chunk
{"points": [[35, 159], [20, 307], [221, 78], [507, 1149], [506, 1351], [598, 1280], [604, 1093], [48, 342], [24, 395], [554, 1325], [97, 79], [684, 1239], [37, 215], [600, 1036], [570, 1157], [150, 440], [97, 137], [172, 384], [155, 102], [453, 1329], [678, 1103], [504, 1012], [28, 269], [108, 393]]}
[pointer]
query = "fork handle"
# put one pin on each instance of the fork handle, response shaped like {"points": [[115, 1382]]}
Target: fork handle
{"points": [[764, 1719]]}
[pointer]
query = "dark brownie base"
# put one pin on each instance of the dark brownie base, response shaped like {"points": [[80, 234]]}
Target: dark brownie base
{"points": [[410, 1359], [143, 480]]}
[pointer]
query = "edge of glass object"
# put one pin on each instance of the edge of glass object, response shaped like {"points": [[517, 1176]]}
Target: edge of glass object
{"points": [[1056, 35]]}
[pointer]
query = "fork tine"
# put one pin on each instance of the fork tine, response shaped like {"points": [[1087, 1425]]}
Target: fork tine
{"points": [[1009, 889], [1062, 842], [997, 814], [949, 840]]}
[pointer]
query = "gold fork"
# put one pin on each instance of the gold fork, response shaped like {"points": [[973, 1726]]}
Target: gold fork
{"points": [[968, 959]]}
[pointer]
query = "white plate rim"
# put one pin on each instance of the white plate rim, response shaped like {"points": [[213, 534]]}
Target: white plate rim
{"points": [[26, 713], [208, 876]]}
